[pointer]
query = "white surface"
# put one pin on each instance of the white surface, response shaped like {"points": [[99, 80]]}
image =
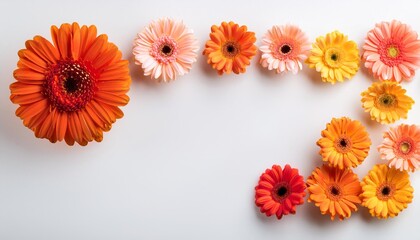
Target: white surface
{"points": [[184, 161]]}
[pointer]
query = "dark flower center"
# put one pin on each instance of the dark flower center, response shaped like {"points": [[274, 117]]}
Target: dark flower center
{"points": [[285, 49], [230, 50], [343, 144], [282, 191], [70, 85], [335, 191], [334, 57], [387, 100], [386, 191], [166, 50]]}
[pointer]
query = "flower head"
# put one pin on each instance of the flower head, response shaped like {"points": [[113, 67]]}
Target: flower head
{"points": [[344, 143], [392, 51], [165, 49], [386, 102], [335, 191], [335, 57], [230, 48], [71, 90], [279, 191], [284, 48], [386, 191], [401, 147]]}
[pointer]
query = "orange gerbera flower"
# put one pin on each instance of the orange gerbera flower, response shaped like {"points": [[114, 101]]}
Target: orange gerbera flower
{"points": [[71, 90], [230, 48], [335, 191], [345, 143]]}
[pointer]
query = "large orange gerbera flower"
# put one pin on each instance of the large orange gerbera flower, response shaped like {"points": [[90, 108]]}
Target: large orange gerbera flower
{"points": [[230, 48], [335, 191], [71, 90]]}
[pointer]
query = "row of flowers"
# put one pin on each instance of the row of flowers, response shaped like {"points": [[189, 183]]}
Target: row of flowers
{"points": [[167, 48], [73, 88], [334, 187]]}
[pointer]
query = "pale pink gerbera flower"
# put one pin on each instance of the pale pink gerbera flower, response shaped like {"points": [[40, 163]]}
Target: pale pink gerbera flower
{"points": [[165, 49], [401, 147], [284, 48], [392, 51]]}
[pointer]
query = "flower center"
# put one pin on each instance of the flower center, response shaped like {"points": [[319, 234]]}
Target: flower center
{"points": [[332, 57], [230, 49], [280, 192], [343, 144], [385, 191], [390, 53], [387, 100], [70, 85], [285, 49], [164, 50], [393, 51], [334, 192], [405, 147]]}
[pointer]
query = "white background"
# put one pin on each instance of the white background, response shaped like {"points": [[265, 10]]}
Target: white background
{"points": [[184, 161]]}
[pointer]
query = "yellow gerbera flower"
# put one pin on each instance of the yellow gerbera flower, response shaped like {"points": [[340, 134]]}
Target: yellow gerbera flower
{"points": [[344, 143], [386, 101], [386, 191], [335, 57]]}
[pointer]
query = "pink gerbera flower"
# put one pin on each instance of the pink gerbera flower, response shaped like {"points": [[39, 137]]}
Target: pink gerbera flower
{"points": [[392, 51], [165, 49], [284, 48], [401, 147]]}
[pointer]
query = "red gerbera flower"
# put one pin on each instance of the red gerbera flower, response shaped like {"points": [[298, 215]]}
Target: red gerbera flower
{"points": [[279, 191]]}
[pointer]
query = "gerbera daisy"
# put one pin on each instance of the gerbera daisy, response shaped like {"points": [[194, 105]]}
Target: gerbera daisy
{"points": [[230, 48], [335, 191], [392, 51], [71, 90], [279, 191], [284, 48], [386, 191], [165, 49], [344, 143], [335, 57], [401, 147], [386, 102]]}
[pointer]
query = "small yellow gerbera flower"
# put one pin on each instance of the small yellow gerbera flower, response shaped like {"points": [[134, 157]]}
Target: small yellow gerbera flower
{"points": [[386, 101], [386, 191], [335, 57]]}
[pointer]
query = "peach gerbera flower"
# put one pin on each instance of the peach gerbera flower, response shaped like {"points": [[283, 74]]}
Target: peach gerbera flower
{"points": [[71, 90], [386, 102], [386, 191], [392, 51], [279, 191], [345, 143], [334, 191], [165, 49], [335, 57], [401, 147], [284, 48], [230, 48]]}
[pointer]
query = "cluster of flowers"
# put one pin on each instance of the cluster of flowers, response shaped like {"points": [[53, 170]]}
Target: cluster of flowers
{"points": [[72, 89], [334, 187]]}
